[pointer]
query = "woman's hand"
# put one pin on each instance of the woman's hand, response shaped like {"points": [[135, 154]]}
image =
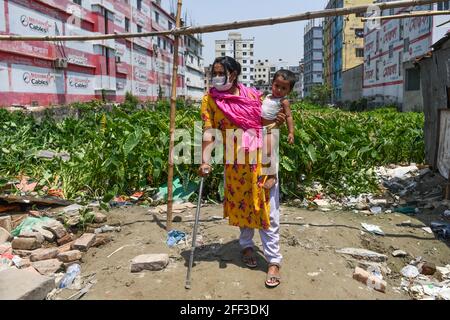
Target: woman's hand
{"points": [[281, 118], [204, 170]]}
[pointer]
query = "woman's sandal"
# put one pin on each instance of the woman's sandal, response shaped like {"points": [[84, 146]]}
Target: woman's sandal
{"points": [[249, 259], [273, 280]]}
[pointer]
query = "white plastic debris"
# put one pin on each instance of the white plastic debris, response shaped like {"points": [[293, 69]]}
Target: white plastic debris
{"points": [[410, 271], [372, 228], [376, 210]]}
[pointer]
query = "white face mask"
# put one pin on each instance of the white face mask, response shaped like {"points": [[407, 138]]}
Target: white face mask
{"points": [[218, 83]]}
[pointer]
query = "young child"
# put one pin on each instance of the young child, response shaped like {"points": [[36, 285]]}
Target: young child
{"points": [[282, 84]]}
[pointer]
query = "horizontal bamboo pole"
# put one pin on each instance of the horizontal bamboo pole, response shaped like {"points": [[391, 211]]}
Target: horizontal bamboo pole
{"points": [[232, 25], [408, 15], [443, 24]]}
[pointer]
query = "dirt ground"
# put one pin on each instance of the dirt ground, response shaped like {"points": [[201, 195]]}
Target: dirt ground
{"points": [[311, 268]]}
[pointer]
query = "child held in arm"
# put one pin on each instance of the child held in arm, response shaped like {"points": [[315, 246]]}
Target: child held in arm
{"points": [[282, 84]]}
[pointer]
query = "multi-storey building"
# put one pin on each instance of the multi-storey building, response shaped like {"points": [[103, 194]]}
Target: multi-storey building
{"points": [[298, 71], [47, 73], [391, 46], [313, 55], [343, 44], [243, 51], [195, 73], [262, 73]]}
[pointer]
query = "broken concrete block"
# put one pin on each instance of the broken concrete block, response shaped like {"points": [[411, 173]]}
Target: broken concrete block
{"points": [[32, 234], [364, 254], [72, 208], [25, 244], [4, 235], [399, 253], [84, 242], [101, 239], [31, 269], [18, 284], [47, 267], [69, 256], [99, 217], [43, 254], [45, 233], [5, 247], [23, 253], [65, 247], [56, 228], [66, 239], [369, 279], [151, 262], [24, 263], [5, 223]]}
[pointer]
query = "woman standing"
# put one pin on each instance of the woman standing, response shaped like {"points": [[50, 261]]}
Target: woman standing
{"points": [[231, 105]]}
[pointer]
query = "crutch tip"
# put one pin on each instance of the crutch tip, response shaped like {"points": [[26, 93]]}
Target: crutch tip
{"points": [[187, 286]]}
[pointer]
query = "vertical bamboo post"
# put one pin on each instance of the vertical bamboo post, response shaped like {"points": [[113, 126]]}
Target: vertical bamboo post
{"points": [[173, 104]]}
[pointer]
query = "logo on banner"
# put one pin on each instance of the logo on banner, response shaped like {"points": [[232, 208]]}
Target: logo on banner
{"points": [[81, 60], [35, 24], [79, 83], [37, 79]]}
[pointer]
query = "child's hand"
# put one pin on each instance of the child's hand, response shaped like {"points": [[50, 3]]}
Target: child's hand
{"points": [[291, 138]]}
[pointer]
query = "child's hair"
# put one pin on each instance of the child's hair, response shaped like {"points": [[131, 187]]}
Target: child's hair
{"points": [[229, 64], [286, 75]]}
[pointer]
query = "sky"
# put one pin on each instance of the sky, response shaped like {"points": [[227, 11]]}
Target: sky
{"points": [[283, 41]]}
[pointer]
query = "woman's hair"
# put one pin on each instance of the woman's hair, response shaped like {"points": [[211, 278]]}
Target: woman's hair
{"points": [[229, 64]]}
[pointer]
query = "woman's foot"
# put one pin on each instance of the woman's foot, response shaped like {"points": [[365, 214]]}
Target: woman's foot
{"points": [[248, 257], [273, 275], [270, 182]]}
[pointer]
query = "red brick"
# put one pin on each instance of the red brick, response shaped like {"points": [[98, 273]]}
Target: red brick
{"points": [[25, 244], [43, 254], [84, 242], [69, 256]]}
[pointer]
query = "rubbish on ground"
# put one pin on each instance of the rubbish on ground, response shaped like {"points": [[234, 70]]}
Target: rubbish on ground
{"points": [[176, 208], [107, 228], [446, 213], [120, 202], [8, 207], [442, 229], [137, 195], [426, 268], [29, 223], [34, 200], [399, 253], [406, 210], [25, 186], [371, 280], [83, 291], [364, 254], [175, 236], [180, 194], [376, 210], [72, 272], [410, 271], [127, 245], [373, 229], [48, 154], [72, 208], [427, 230]]}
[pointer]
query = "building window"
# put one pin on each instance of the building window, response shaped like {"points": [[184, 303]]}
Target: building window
{"points": [[164, 44], [223, 54], [139, 5], [244, 69], [444, 6], [127, 24], [157, 17], [244, 53], [159, 42], [170, 25], [251, 45], [360, 14], [244, 45], [359, 52], [244, 61], [171, 48], [391, 51], [222, 46], [251, 61], [244, 77], [139, 28], [78, 2], [412, 79]]}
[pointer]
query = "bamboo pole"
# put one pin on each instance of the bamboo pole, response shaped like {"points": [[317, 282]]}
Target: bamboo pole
{"points": [[173, 104], [408, 15], [232, 25], [442, 24]]}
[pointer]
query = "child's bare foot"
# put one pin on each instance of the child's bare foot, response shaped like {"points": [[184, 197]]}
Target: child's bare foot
{"points": [[270, 182]]}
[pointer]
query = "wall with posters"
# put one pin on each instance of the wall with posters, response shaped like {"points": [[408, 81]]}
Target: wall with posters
{"points": [[95, 68], [387, 50]]}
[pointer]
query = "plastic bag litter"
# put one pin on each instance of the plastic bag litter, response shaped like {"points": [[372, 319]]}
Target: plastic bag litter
{"points": [[29, 223], [180, 193]]}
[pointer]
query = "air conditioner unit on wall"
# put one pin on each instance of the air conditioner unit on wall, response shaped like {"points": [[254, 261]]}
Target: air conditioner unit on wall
{"points": [[60, 63]]}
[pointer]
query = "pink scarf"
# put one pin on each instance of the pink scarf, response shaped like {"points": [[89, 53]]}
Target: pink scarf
{"points": [[244, 111]]}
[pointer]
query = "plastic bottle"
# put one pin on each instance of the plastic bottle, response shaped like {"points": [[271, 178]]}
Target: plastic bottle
{"points": [[72, 272]]}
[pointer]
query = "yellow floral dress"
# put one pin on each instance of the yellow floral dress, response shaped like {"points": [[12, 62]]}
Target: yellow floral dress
{"points": [[246, 202]]}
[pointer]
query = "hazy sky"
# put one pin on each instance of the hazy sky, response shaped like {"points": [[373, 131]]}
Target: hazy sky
{"points": [[271, 42]]}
